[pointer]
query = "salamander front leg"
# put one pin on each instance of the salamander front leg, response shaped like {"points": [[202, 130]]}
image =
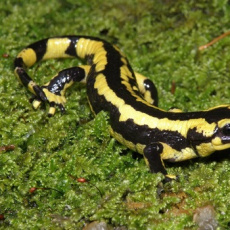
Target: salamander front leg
{"points": [[152, 155]]}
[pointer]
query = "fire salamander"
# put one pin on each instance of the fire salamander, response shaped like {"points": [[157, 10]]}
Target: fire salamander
{"points": [[129, 98]]}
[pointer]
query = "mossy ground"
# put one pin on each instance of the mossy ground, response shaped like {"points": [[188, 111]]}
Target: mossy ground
{"points": [[161, 39]]}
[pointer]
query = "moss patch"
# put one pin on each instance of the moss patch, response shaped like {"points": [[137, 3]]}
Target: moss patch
{"points": [[161, 39]]}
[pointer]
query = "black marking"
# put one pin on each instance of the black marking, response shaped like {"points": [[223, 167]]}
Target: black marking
{"points": [[71, 50], [226, 130], [39, 92], [57, 84], [145, 135], [197, 137], [24, 77], [148, 84], [216, 114], [39, 48], [62, 108], [89, 59], [223, 133], [18, 62]]}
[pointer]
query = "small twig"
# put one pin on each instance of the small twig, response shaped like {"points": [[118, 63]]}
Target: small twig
{"points": [[33, 189], [7, 148], [173, 87], [214, 41], [83, 180]]}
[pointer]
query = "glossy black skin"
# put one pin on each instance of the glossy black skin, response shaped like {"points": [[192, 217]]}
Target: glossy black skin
{"points": [[130, 131]]}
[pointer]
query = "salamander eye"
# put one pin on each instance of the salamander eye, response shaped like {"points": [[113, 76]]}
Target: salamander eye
{"points": [[226, 130]]}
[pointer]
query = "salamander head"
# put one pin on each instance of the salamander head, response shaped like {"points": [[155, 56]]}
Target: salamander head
{"points": [[220, 116], [221, 138], [211, 132]]}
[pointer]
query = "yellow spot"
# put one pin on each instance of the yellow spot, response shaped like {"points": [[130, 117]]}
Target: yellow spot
{"points": [[184, 154], [54, 98], [56, 48], [125, 75], [52, 110], [173, 177], [29, 56], [148, 97], [31, 87], [36, 104], [218, 145], [205, 149], [202, 126], [216, 141], [175, 110]]}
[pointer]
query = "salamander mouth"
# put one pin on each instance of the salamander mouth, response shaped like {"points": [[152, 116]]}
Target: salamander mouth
{"points": [[220, 141], [221, 146]]}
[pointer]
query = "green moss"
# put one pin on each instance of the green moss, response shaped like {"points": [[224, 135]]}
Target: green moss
{"points": [[161, 39]]}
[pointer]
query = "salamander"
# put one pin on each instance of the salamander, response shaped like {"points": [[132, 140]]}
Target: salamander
{"points": [[129, 98]]}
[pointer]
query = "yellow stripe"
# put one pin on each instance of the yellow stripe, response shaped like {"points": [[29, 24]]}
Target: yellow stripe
{"points": [[139, 118], [56, 48], [138, 147], [126, 75], [87, 47], [205, 149], [222, 123]]}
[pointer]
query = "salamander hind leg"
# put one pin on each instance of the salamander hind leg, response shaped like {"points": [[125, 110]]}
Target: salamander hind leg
{"points": [[147, 89], [152, 155], [54, 91]]}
